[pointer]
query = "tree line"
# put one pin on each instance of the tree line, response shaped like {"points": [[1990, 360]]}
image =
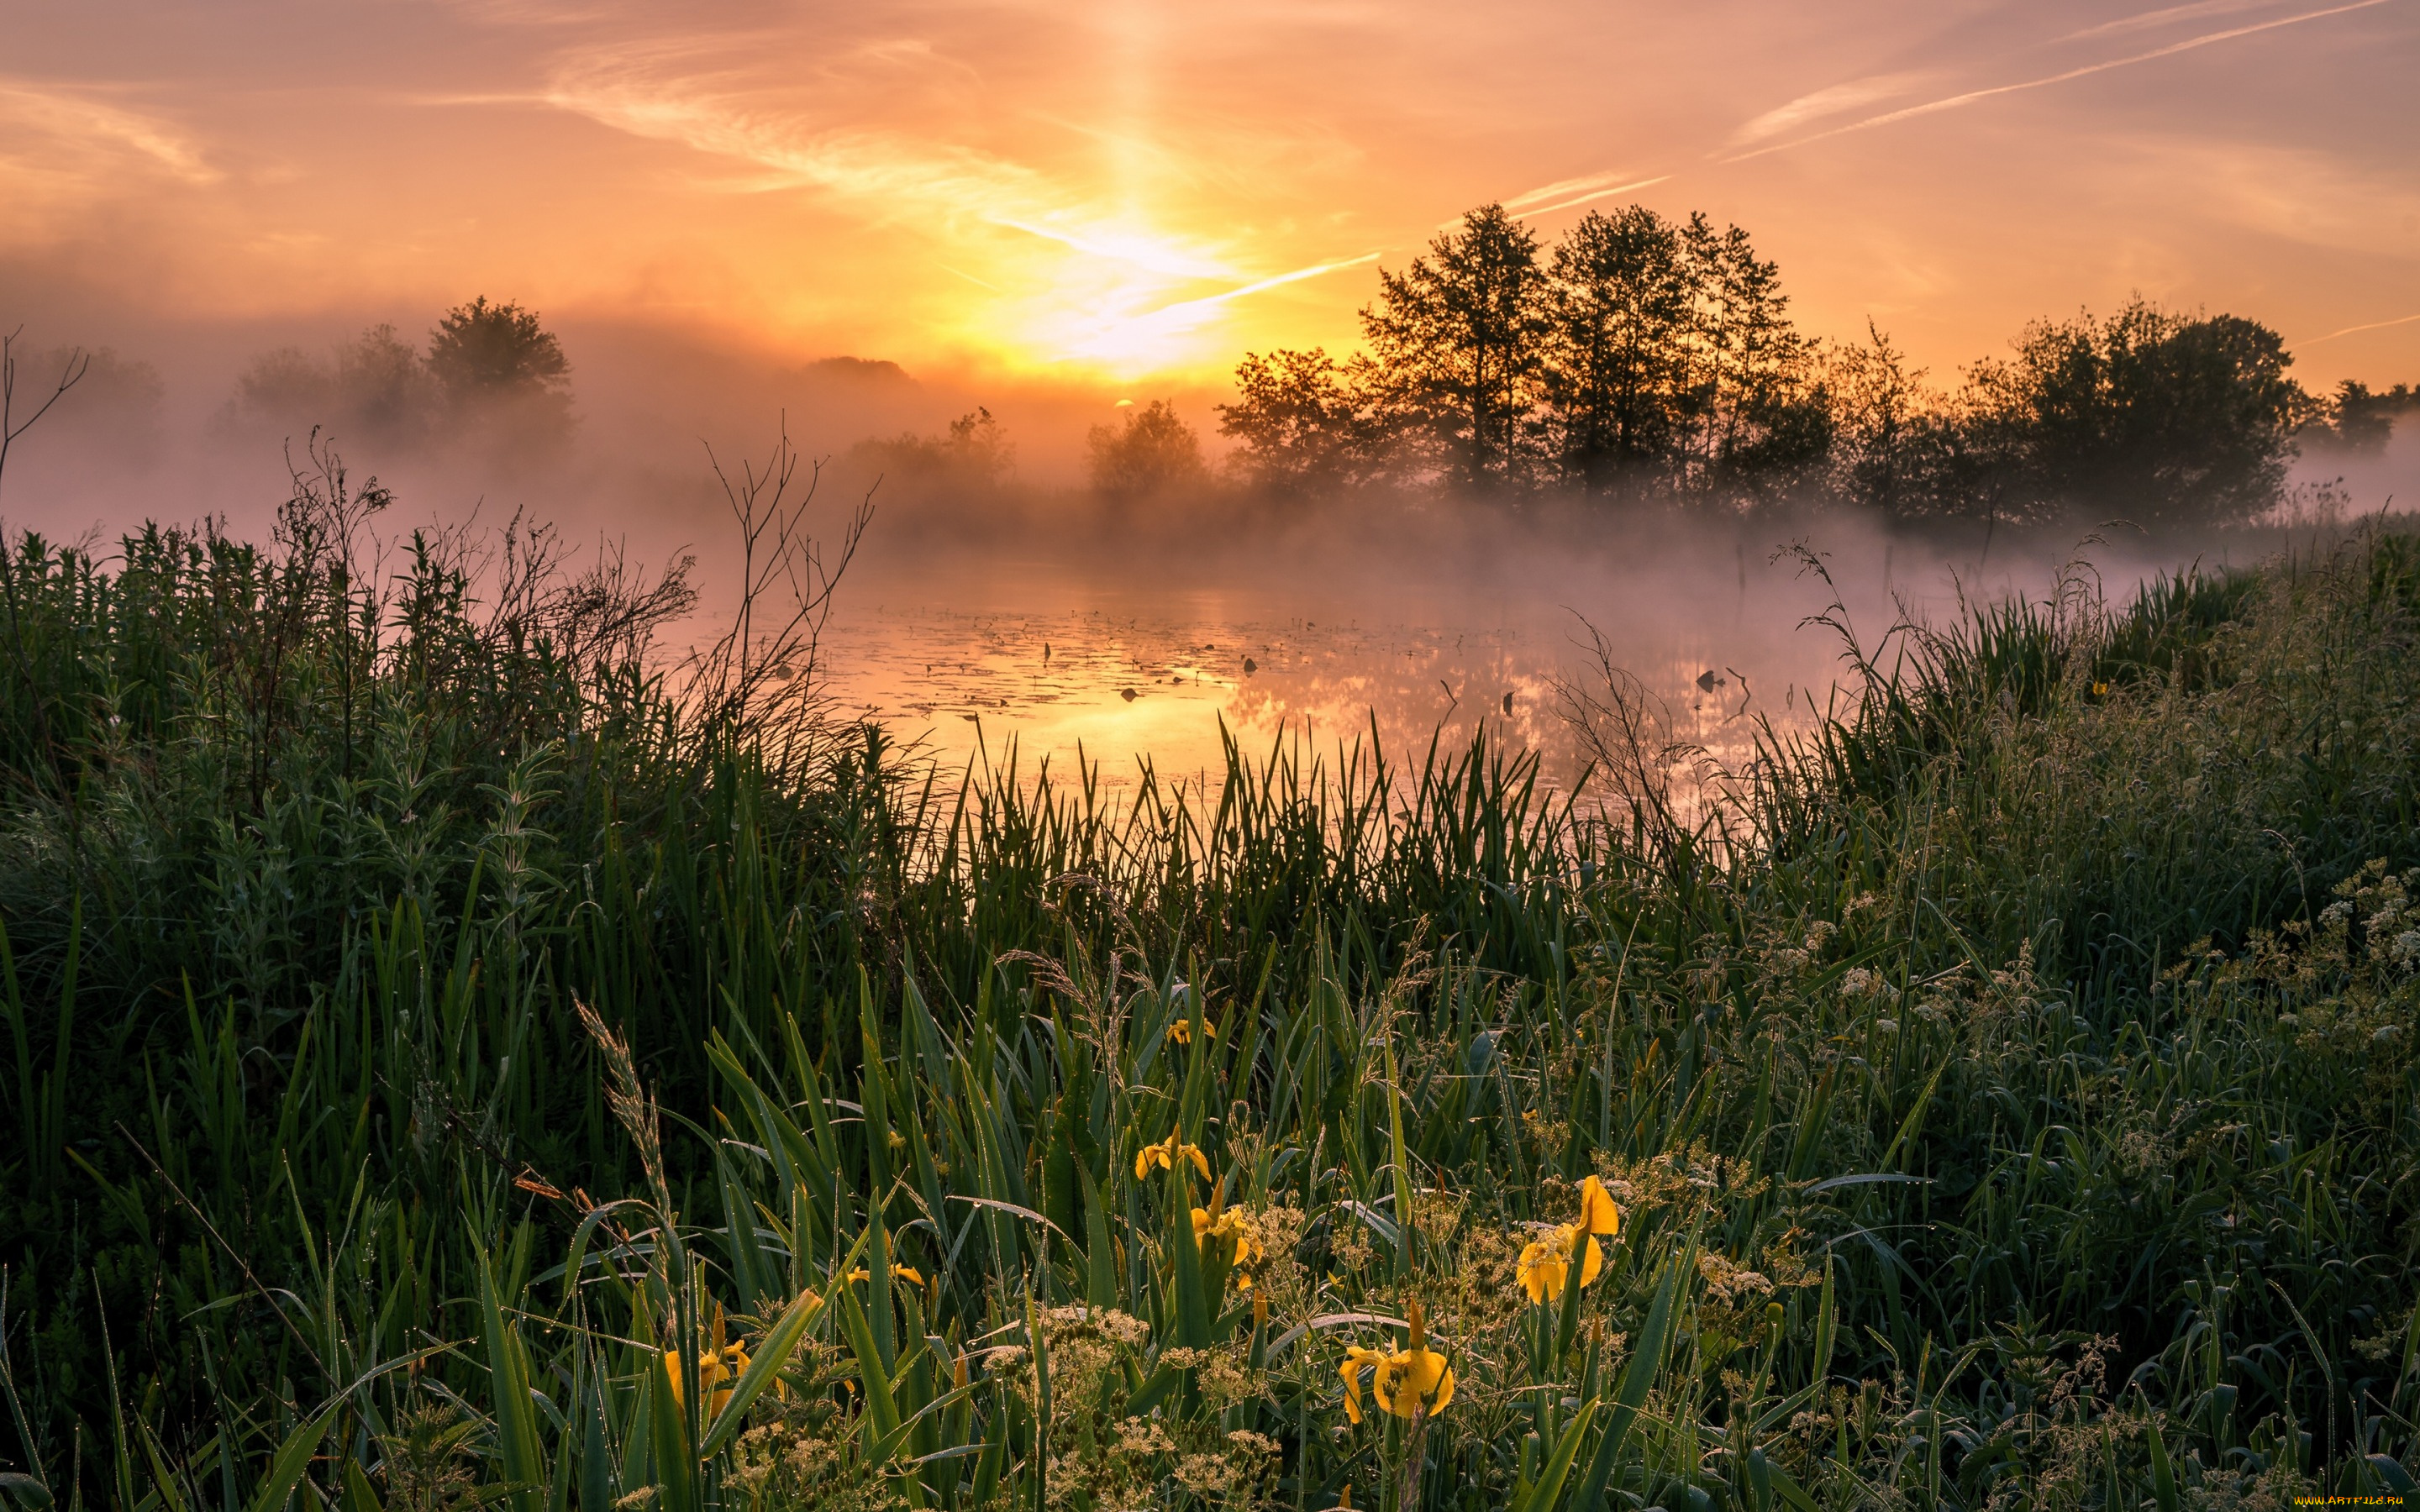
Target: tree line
{"points": [[490, 371], [1640, 358]]}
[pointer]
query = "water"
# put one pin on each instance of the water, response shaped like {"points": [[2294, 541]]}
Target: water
{"points": [[1063, 663]]}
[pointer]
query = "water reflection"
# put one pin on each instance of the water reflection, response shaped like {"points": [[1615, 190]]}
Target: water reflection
{"points": [[1062, 667]]}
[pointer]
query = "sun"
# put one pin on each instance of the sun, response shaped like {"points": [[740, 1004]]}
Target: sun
{"points": [[1119, 298]]}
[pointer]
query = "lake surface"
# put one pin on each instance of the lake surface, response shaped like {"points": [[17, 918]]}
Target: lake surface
{"points": [[974, 660]]}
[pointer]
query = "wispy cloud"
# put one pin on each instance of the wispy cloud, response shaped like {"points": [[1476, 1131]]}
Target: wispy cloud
{"points": [[1855, 95], [2351, 331], [2153, 20], [1971, 95], [1564, 194], [76, 122]]}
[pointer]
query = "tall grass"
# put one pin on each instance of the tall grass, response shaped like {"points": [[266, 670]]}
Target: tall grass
{"points": [[449, 1067]]}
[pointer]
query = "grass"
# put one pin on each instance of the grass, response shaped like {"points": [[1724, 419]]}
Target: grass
{"points": [[452, 1067]]}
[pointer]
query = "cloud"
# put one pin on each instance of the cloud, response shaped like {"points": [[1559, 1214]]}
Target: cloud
{"points": [[1565, 193], [1971, 95], [64, 153], [2151, 20], [2374, 325], [1853, 95]]}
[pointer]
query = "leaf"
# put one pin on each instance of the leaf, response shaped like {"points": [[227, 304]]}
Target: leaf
{"points": [[1332, 1320], [1559, 1465], [1638, 1378], [781, 1341], [516, 1439], [293, 1458], [2164, 1476], [1863, 1178], [1011, 1207], [25, 1489]]}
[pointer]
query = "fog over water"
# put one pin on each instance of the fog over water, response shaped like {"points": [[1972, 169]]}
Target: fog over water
{"points": [[1405, 630], [1026, 622]]}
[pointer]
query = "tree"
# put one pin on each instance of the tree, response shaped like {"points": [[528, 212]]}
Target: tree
{"points": [[972, 458], [373, 388], [382, 387], [2360, 421], [1619, 308], [1455, 339], [1759, 425], [2148, 415], [1886, 428], [482, 351], [1152, 452], [1297, 422]]}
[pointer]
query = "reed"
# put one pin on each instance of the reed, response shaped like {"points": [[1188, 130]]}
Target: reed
{"points": [[449, 1070]]}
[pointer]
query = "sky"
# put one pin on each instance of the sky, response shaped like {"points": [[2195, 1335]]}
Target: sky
{"points": [[1125, 194]]}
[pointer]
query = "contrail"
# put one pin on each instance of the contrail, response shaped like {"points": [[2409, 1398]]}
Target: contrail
{"points": [[2374, 325], [1974, 95], [1294, 277], [1593, 187]]}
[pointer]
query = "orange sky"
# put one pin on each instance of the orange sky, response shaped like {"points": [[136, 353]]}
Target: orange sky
{"points": [[1127, 192]]}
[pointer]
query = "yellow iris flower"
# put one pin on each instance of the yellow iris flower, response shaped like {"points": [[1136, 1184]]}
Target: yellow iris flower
{"points": [[1166, 1155], [1546, 1263], [1405, 1381], [1228, 1225], [1182, 1030], [1598, 1213], [719, 1369], [898, 1273]]}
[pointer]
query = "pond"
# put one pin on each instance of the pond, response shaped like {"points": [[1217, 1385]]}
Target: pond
{"points": [[975, 659]]}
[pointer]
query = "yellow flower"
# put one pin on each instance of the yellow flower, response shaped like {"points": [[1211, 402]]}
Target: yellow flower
{"points": [[1182, 1030], [1356, 1359], [1228, 1225], [1598, 1213], [1547, 1262], [1166, 1155], [717, 1375], [1404, 1381], [898, 1273]]}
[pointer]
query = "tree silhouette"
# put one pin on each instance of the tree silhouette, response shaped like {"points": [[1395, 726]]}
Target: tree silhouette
{"points": [[1619, 321], [1152, 452], [482, 351], [1297, 422], [1455, 340], [2148, 416]]}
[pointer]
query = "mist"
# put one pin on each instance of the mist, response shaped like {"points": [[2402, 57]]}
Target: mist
{"points": [[998, 605]]}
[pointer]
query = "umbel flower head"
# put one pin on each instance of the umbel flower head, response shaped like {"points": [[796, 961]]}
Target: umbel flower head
{"points": [[1166, 1155], [1404, 1381]]}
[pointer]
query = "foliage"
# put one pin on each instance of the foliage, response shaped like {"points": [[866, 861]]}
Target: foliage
{"points": [[1455, 358], [2148, 415], [1150, 452], [447, 1068], [1646, 358], [493, 376]]}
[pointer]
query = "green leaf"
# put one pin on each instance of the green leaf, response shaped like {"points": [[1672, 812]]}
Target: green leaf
{"points": [[1638, 1378], [516, 1439], [1549, 1488], [2164, 1476], [781, 1341]]}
